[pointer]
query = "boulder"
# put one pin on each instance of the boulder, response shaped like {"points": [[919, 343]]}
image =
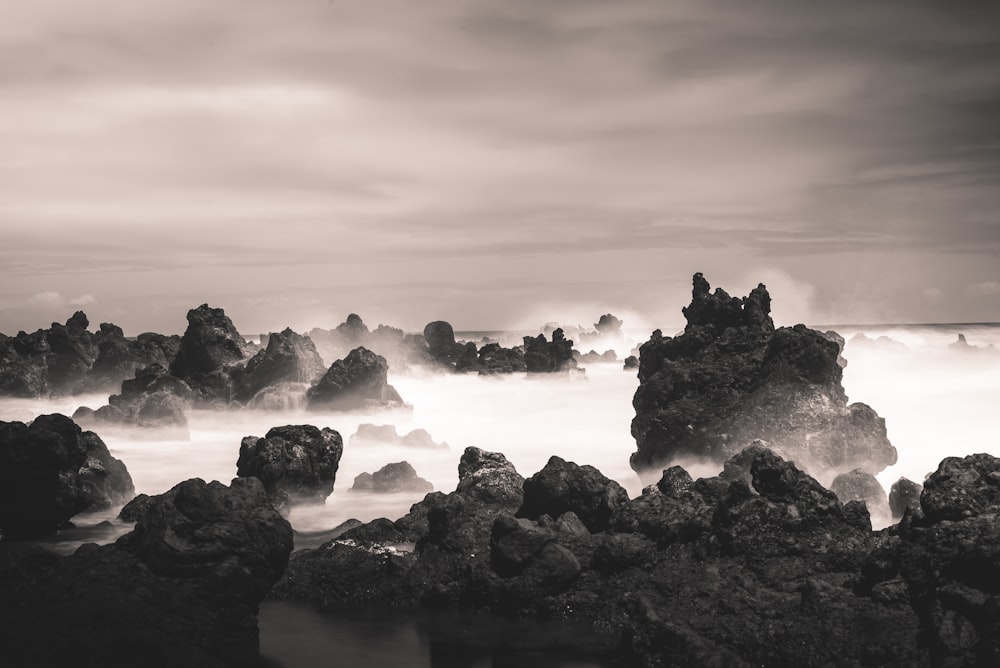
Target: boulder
{"points": [[72, 352], [563, 486], [488, 476], [355, 382], [857, 485], [182, 589], [296, 463], [288, 358], [962, 487], [543, 356], [24, 365], [395, 477], [50, 470], [119, 358], [153, 399], [210, 346], [441, 343], [731, 377], [904, 494]]}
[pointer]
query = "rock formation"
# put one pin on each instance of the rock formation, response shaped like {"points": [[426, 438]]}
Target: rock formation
{"points": [[370, 434], [395, 477], [152, 399], [542, 356], [210, 348], [904, 494], [295, 463], [289, 358], [857, 485], [182, 589], [731, 377], [50, 470], [355, 382]]}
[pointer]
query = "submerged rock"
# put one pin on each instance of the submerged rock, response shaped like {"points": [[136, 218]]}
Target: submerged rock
{"points": [[370, 434], [357, 381], [50, 470], [731, 377], [295, 463]]}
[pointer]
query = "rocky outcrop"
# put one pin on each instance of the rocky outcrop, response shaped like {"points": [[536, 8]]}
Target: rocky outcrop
{"points": [[182, 589], [210, 348], [395, 477], [492, 359], [355, 382], [594, 357], [50, 470], [857, 485], [289, 358], [441, 344], [371, 434], [295, 463], [731, 377], [118, 358], [562, 487], [904, 494], [49, 361], [631, 362], [542, 356], [153, 399]]}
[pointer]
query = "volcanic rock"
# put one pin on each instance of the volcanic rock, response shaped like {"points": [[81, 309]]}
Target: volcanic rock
{"points": [[395, 477], [357, 381], [295, 463], [51, 470], [386, 434], [857, 485], [288, 358], [152, 399], [210, 347], [904, 494], [563, 486], [542, 356]]}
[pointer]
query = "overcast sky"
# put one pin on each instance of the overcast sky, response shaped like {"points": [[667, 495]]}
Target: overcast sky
{"points": [[496, 164]]}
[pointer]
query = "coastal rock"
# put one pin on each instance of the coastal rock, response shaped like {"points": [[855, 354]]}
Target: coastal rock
{"points": [[563, 486], [495, 359], [395, 477], [543, 356], [441, 344], [731, 378], [288, 358], [153, 399], [904, 494], [357, 381], [857, 485], [488, 477], [296, 463], [50, 470], [211, 345], [119, 358], [182, 589], [72, 351], [962, 487], [369, 434], [631, 362]]}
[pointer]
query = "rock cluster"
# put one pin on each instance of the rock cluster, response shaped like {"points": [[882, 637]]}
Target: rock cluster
{"points": [[731, 377], [371, 434]]}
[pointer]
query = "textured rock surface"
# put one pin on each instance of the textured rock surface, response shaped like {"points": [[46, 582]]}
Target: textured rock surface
{"points": [[288, 358], [357, 381], [904, 494], [51, 470], [731, 377], [562, 487], [394, 477], [152, 399], [295, 463], [210, 347], [542, 356], [857, 485], [181, 590]]}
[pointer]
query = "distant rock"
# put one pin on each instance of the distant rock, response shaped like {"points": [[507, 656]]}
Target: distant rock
{"points": [[119, 358], [182, 589], [962, 345], [386, 434], [24, 365], [355, 382], [72, 351], [731, 377], [884, 343], [441, 344], [210, 347], [857, 485], [631, 362], [608, 324], [542, 356], [396, 477], [50, 470], [594, 357], [492, 359], [288, 358], [296, 463], [904, 494]]}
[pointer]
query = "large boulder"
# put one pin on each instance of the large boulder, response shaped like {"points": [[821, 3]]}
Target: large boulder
{"points": [[24, 365], [72, 351], [563, 486], [288, 358], [857, 485], [153, 399], [182, 589], [210, 347], [904, 494], [355, 382], [51, 470], [394, 477], [295, 463], [962, 487], [441, 344], [731, 377]]}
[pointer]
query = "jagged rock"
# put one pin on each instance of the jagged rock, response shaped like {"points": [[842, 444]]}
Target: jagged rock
{"points": [[23, 365], [494, 358], [152, 399], [296, 463], [357, 381], [288, 358], [904, 494], [962, 345], [677, 508], [353, 330], [136, 508], [731, 378], [594, 357], [51, 470], [962, 487], [182, 589], [542, 356], [72, 351], [119, 358], [386, 434], [631, 362], [489, 477], [856, 485], [395, 477], [563, 486], [210, 347]]}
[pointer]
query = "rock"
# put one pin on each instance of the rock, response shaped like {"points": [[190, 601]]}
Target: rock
{"points": [[182, 589], [353, 330], [530, 558], [489, 477], [856, 485], [441, 343], [542, 356], [593, 357], [153, 399], [731, 378], [608, 324], [23, 365], [136, 508], [72, 351], [563, 486], [296, 463], [631, 362], [494, 358], [288, 358], [904, 494], [51, 470], [355, 382], [370, 434], [211, 345], [961, 488], [397, 477], [675, 509]]}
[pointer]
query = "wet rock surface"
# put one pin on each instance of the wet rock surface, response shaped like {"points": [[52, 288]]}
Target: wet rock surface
{"points": [[296, 463], [731, 377], [288, 358], [182, 589]]}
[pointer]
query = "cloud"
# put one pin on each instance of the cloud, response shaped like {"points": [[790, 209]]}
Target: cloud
{"points": [[83, 300], [48, 298], [985, 289]]}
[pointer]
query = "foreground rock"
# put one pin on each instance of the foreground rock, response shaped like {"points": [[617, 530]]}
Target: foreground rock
{"points": [[761, 567], [395, 477], [731, 377], [355, 382], [50, 470], [295, 463], [182, 589]]}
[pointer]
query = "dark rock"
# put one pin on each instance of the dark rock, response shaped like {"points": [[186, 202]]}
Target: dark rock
{"points": [[494, 359], [904, 494], [441, 343], [288, 358], [211, 345], [296, 463], [542, 356], [489, 477], [23, 365], [962, 487], [608, 324], [72, 351], [119, 358], [857, 485], [136, 508], [396, 477], [386, 434], [51, 470], [631, 362], [675, 509], [357, 381], [563, 486], [152, 399], [731, 378], [353, 330]]}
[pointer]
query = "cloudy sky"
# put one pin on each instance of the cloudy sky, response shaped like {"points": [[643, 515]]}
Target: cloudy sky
{"points": [[496, 164]]}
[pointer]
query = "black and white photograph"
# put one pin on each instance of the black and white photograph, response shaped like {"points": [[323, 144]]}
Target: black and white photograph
{"points": [[525, 334]]}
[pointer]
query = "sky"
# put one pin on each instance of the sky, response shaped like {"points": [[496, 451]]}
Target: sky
{"points": [[496, 165]]}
